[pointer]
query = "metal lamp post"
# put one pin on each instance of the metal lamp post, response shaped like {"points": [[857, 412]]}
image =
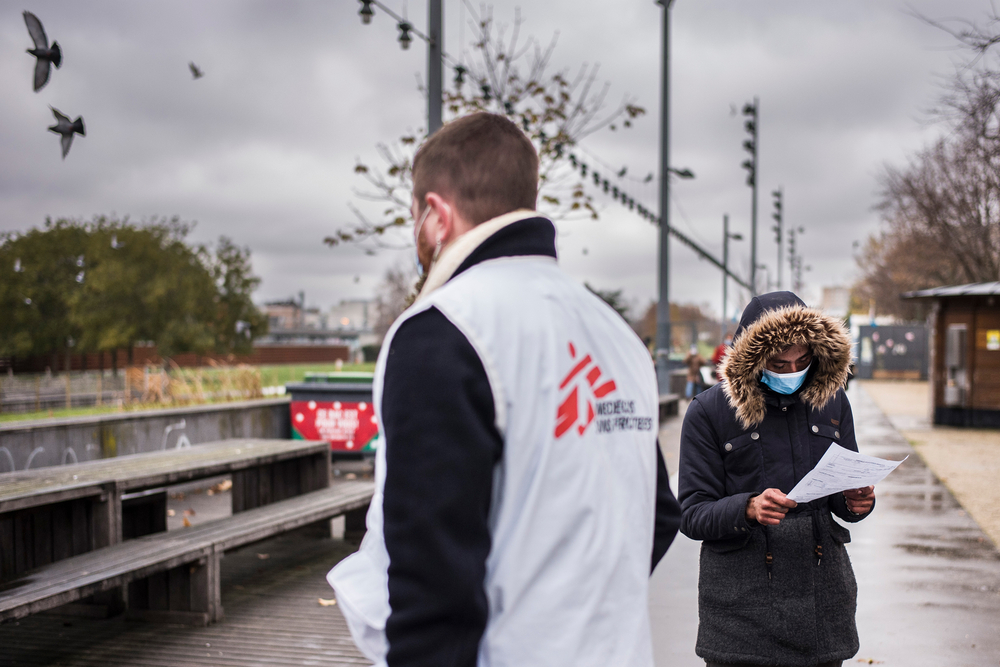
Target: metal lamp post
{"points": [[725, 270], [663, 334]]}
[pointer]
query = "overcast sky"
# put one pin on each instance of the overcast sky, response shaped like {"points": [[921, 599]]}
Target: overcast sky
{"points": [[262, 148]]}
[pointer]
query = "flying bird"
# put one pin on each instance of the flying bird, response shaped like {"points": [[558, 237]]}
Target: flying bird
{"points": [[44, 55], [195, 72], [66, 128]]}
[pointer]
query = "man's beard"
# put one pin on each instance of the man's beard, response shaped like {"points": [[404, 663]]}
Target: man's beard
{"points": [[425, 253]]}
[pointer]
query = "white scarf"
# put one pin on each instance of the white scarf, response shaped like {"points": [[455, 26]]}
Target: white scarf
{"points": [[458, 251]]}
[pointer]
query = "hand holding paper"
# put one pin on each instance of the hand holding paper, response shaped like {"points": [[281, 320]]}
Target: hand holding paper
{"points": [[840, 470]]}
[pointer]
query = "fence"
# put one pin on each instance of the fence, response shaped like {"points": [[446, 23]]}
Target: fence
{"points": [[134, 385]]}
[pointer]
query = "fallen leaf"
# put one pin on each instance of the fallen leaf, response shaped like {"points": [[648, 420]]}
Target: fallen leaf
{"points": [[187, 524], [189, 512], [263, 556], [171, 513], [210, 492], [224, 485], [326, 603], [350, 475]]}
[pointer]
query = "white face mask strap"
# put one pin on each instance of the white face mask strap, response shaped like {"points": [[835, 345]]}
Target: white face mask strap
{"points": [[420, 224]]}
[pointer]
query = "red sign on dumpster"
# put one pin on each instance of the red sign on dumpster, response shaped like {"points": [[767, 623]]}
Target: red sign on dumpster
{"points": [[348, 427]]}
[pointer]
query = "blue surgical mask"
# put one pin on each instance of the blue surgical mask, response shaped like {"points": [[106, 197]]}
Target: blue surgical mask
{"points": [[785, 383]]}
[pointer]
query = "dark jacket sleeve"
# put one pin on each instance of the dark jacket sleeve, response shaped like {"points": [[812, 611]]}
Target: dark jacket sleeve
{"points": [[668, 511], [707, 513], [441, 448], [848, 440]]}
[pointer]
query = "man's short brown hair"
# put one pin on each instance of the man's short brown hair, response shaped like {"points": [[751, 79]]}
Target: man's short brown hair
{"points": [[483, 163]]}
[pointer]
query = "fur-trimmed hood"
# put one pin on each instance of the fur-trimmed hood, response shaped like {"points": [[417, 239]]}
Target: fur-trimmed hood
{"points": [[770, 324]]}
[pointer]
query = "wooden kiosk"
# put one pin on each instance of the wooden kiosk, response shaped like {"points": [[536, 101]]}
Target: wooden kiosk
{"points": [[964, 324]]}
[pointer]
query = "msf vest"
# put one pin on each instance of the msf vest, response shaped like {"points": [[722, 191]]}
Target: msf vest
{"points": [[572, 514]]}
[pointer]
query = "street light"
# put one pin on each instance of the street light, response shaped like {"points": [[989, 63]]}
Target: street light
{"points": [[752, 112], [366, 12], [778, 216], [663, 334], [726, 235], [404, 35], [435, 54]]}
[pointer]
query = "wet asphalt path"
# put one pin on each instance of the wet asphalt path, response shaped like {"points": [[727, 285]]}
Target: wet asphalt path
{"points": [[928, 578]]}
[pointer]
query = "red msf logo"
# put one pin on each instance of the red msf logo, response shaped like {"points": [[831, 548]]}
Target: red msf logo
{"points": [[569, 410]]}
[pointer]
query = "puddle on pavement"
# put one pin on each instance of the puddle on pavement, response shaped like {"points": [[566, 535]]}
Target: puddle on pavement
{"points": [[965, 549]]}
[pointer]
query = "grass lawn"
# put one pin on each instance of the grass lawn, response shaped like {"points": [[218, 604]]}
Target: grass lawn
{"points": [[270, 376]]}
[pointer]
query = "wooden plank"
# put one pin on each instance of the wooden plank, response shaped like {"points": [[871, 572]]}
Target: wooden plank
{"points": [[179, 587], [105, 569], [106, 517], [265, 485], [237, 492], [42, 518], [54, 495], [7, 569], [205, 589], [271, 618], [62, 530], [82, 526], [192, 618], [147, 470], [23, 540], [157, 591]]}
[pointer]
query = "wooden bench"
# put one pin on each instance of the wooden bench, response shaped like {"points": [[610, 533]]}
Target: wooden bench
{"points": [[669, 405], [174, 576], [50, 514]]}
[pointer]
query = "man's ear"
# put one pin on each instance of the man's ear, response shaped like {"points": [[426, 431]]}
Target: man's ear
{"points": [[444, 229]]}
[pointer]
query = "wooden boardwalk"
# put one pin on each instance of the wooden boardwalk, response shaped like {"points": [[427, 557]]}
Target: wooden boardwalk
{"points": [[270, 593]]}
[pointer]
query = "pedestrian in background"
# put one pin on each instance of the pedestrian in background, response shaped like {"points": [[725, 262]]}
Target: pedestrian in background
{"points": [[693, 362], [776, 585], [721, 350], [521, 498]]}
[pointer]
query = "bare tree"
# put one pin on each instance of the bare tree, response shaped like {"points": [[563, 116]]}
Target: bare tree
{"points": [[510, 75], [941, 211], [395, 294]]}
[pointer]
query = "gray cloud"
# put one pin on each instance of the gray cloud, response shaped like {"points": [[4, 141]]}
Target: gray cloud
{"points": [[262, 148]]}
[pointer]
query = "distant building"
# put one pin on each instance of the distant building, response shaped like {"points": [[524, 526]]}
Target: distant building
{"points": [[836, 301], [312, 318], [283, 315], [352, 315]]}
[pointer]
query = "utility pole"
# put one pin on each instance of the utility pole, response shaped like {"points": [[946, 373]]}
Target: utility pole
{"points": [[725, 270], [777, 215], [752, 111], [435, 65], [663, 334]]}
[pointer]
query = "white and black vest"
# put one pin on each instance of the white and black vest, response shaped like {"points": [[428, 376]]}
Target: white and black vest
{"points": [[572, 514]]}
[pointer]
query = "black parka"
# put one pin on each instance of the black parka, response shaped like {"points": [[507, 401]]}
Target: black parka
{"points": [[785, 594]]}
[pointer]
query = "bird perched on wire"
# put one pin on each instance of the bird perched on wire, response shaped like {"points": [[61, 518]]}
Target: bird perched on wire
{"points": [[195, 72], [45, 56], [67, 129]]}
